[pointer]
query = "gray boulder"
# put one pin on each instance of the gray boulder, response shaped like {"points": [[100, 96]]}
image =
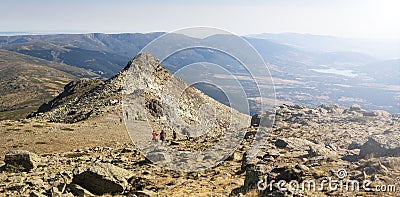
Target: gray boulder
{"points": [[102, 178], [77, 190], [381, 146], [21, 160], [356, 108], [263, 119], [377, 113], [36, 194], [145, 193], [254, 173], [330, 109], [158, 157], [304, 148]]}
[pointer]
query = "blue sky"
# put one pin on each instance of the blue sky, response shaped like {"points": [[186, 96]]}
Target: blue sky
{"points": [[346, 18]]}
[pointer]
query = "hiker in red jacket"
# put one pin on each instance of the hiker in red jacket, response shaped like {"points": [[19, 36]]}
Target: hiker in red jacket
{"points": [[154, 136]]}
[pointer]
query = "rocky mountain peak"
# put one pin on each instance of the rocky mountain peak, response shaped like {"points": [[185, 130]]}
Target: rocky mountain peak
{"points": [[85, 98], [143, 61], [144, 77]]}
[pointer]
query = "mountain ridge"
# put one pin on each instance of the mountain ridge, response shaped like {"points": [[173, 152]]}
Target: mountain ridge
{"points": [[26, 82], [151, 80]]}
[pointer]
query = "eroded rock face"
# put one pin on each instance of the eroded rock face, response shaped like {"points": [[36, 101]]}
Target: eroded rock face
{"points": [[102, 178], [20, 160]]}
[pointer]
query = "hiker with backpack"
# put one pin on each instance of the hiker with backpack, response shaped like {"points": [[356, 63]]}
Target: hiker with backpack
{"points": [[163, 136]]}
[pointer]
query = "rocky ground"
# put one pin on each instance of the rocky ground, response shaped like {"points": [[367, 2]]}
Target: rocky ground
{"points": [[79, 144], [305, 144], [315, 144]]}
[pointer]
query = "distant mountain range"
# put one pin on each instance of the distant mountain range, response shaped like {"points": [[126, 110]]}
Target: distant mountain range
{"points": [[101, 53], [106, 54], [306, 69], [385, 49]]}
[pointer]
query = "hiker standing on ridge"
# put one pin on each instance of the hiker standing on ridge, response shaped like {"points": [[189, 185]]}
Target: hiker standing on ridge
{"points": [[174, 135], [163, 135], [154, 138]]}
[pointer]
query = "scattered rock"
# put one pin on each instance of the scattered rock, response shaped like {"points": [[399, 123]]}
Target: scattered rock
{"points": [[36, 194], [281, 143], [380, 113], [102, 178], [255, 120], [335, 109], [77, 190], [37, 182], [381, 146], [235, 156], [145, 193], [158, 157], [264, 119], [354, 145], [174, 143], [356, 108], [253, 175], [288, 174], [20, 160], [302, 145], [302, 167], [16, 186]]}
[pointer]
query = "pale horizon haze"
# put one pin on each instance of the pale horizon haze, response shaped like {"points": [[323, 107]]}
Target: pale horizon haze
{"points": [[371, 19]]}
